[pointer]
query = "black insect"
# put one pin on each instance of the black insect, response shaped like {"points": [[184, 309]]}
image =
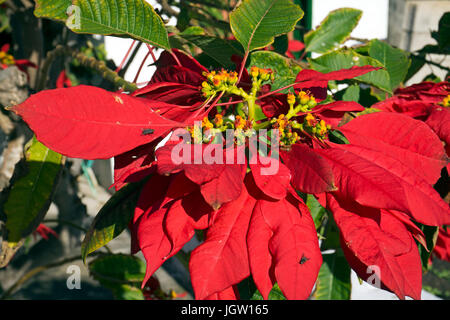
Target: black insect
{"points": [[303, 259], [147, 131]]}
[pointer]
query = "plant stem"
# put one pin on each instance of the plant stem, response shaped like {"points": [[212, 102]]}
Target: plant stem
{"points": [[241, 71], [126, 56], [86, 61], [27, 276]]}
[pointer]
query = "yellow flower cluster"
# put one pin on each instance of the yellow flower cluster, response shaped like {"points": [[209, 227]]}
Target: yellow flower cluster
{"points": [[318, 128], [6, 58], [305, 102], [218, 81], [446, 101], [287, 135], [210, 128], [261, 74]]}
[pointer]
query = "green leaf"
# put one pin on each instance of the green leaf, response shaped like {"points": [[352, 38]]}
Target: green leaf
{"points": [[247, 289], [255, 23], [285, 69], [431, 234], [112, 219], [53, 9], [134, 18], [218, 49], [351, 93], [395, 61], [316, 210], [345, 59], [275, 294], [333, 281], [444, 31], [332, 31], [122, 274], [336, 136], [30, 194]]}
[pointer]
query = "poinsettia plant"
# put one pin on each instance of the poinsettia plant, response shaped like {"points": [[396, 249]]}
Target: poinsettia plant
{"points": [[249, 152]]}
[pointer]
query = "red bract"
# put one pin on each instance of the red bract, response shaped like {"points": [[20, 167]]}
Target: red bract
{"points": [[253, 220], [423, 101], [374, 241], [442, 247], [44, 231], [7, 60]]}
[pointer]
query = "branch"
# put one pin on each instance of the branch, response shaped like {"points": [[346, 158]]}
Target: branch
{"points": [[90, 62], [167, 8], [430, 62], [37, 270]]}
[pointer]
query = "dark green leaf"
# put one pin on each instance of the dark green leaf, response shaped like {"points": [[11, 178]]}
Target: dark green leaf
{"points": [[444, 31], [334, 281], [281, 44], [30, 195], [218, 49], [112, 219], [122, 274], [431, 233]]}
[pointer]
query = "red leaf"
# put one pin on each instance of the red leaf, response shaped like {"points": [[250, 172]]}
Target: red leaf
{"points": [[197, 172], [227, 187], [171, 93], [317, 82], [152, 195], [412, 108], [260, 259], [231, 293], [295, 45], [415, 231], [333, 112], [219, 182], [310, 172], [133, 161], [271, 176], [63, 80], [91, 123], [383, 182], [186, 61], [442, 248], [148, 228], [294, 246], [385, 244], [343, 74], [184, 217], [222, 260], [274, 105], [439, 120], [401, 137]]}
